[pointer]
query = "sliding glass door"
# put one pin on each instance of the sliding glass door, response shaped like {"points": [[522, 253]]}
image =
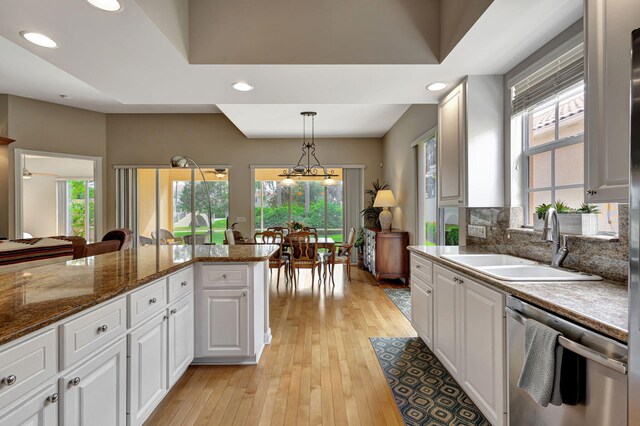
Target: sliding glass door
{"points": [[308, 203]]}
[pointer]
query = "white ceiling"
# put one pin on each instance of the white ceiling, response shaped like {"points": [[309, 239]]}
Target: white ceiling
{"points": [[60, 167], [122, 62]]}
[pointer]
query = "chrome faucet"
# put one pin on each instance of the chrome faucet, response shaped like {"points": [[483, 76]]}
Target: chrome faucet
{"points": [[551, 232]]}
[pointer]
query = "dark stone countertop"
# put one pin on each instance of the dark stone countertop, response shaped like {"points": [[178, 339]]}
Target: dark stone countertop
{"points": [[599, 305], [34, 297]]}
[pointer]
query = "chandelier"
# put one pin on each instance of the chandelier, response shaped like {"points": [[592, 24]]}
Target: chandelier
{"points": [[308, 164]]}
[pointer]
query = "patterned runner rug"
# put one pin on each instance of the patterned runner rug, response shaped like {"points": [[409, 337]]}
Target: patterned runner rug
{"points": [[402, 299], [423, 389]]}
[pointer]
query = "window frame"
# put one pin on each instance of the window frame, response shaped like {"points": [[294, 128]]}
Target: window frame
{"points": [[550, 147]]}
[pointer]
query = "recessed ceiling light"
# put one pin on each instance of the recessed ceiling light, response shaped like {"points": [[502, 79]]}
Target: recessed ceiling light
{"points": [[108, 5], [242, 86], [434, 87], [39, 39]]}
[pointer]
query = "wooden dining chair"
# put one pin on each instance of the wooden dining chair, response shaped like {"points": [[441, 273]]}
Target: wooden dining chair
{"points": [[283, 229], [309, 229], [343, 254], [304, 253], [279, 258]]}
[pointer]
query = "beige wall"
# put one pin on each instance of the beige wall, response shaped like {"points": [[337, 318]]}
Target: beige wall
{"points": [[4, 167], [400, 163], [39, 206], [456, 18], [151, 139], [43, 126]]}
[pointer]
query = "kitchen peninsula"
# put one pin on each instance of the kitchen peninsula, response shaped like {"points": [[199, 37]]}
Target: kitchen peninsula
{"points": [[108, 336]]}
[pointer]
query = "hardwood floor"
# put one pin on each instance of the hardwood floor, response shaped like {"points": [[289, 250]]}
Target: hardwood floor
{"points": [[319, 369]]}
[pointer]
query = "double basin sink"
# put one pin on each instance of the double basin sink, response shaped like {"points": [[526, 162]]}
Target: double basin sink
{"points": [[511, 268]]}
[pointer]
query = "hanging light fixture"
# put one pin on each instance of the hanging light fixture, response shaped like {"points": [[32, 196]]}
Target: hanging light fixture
{"points": [[308, 164]]}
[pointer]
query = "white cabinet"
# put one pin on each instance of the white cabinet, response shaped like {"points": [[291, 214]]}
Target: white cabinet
{"points": [[446, 323], [95, 392], [470, 144], [483, 359], [422, 310], [181, 338], [147, 367], [608, 26], [224, 323], [469, 340], [39, 409]]}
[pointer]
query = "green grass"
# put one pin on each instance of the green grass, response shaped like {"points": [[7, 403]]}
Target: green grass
{"points": [[219, 225]]}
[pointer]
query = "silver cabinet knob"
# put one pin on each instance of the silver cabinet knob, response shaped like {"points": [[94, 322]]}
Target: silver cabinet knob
{"points": [[75, 381], [183, 284], [152, 301], [455, 279], [224, 276], [173, 311], [53, 398], [592, 192], [9, 380], [428, 291], [103, 328], [417, 266], [244, 294], [166, 317]]}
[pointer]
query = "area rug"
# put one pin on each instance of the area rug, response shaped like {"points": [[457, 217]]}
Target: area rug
{"points": [[423, 389], [401, 297]]}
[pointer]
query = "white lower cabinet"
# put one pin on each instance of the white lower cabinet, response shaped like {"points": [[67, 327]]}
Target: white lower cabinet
{"points": [[469, 340], [39, 409], [95, 392], [224, 323], [446, 322], [147, 367], [181, 338], [422, 310]]}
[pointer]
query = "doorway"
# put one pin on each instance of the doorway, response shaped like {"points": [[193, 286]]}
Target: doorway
{"points": [[57, 194]]}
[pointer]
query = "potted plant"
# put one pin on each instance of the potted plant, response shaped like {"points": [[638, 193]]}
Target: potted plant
{"points": [[580, 221], [359, 245], [295, 225], [370, 213]]}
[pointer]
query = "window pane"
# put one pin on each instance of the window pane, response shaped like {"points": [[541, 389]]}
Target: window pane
{"points": [[451, 229], [542, 126], [146, 206], [571, 114], [570, 165], [76, 213], [535, 199], [608, 217], [540, 170], [573, 197]]}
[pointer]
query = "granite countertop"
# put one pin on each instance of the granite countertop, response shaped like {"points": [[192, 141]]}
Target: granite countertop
{"points": [[599, 305], [34, 297]]}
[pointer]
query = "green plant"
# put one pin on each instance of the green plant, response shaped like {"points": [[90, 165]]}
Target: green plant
{"points": [[562, 207], [370, 213], [588, 208], [541, 210], [295, 225], [359, 238], [451, 235]]}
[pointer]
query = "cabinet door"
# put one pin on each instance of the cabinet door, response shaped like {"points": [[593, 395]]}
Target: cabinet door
{"points": [[483, 364], [222, 328], [608, 72], [147, 367], [422, 310], [39, 409], [446, 330], [95, 392], [181, 338], [451, 148]]}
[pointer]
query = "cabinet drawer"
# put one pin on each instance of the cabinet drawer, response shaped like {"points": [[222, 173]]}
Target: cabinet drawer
{"points": [[422, 268], [224, 275], [146, 302], [180, 284], [26, 365], [86, 333]]}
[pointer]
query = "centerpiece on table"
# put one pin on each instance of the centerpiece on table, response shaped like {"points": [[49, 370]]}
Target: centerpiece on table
{"points": [[294, 225], [580, 221]]}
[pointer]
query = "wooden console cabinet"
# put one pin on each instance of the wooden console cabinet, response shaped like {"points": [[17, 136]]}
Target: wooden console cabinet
{"points": [[385, 253]]}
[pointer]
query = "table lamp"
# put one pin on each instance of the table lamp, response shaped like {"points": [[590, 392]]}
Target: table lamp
{"points": [[385, 199]]}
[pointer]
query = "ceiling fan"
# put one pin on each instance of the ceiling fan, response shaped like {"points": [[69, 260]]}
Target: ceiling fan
{"points": [[27, 174], [220, 173]]}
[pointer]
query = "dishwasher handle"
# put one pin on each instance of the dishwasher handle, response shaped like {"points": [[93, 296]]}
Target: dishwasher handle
{"points": [[575, 347]]}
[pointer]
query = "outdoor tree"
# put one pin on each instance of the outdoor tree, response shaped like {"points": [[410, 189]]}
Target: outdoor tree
{"points": [[219, 193]]}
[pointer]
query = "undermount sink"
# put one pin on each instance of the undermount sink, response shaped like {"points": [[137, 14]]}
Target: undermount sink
{"points": [[511, 268]]}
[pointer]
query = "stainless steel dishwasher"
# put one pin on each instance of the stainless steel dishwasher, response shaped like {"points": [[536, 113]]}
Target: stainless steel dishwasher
{"points": [[605, 381]]}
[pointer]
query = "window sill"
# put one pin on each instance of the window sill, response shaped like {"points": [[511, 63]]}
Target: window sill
{"points": [[528, 230]]}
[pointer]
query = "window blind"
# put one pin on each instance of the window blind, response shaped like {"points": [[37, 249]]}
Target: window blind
{"points": [[549, 81]]}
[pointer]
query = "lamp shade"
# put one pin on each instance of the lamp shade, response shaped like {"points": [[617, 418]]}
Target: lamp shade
{"points": [[385, 198]]}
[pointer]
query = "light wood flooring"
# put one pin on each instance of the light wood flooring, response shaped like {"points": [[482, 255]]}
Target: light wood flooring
{"points": [[319, 369]]}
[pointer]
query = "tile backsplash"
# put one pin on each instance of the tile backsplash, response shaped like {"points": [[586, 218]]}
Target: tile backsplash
{"points": [[604, 256]]}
